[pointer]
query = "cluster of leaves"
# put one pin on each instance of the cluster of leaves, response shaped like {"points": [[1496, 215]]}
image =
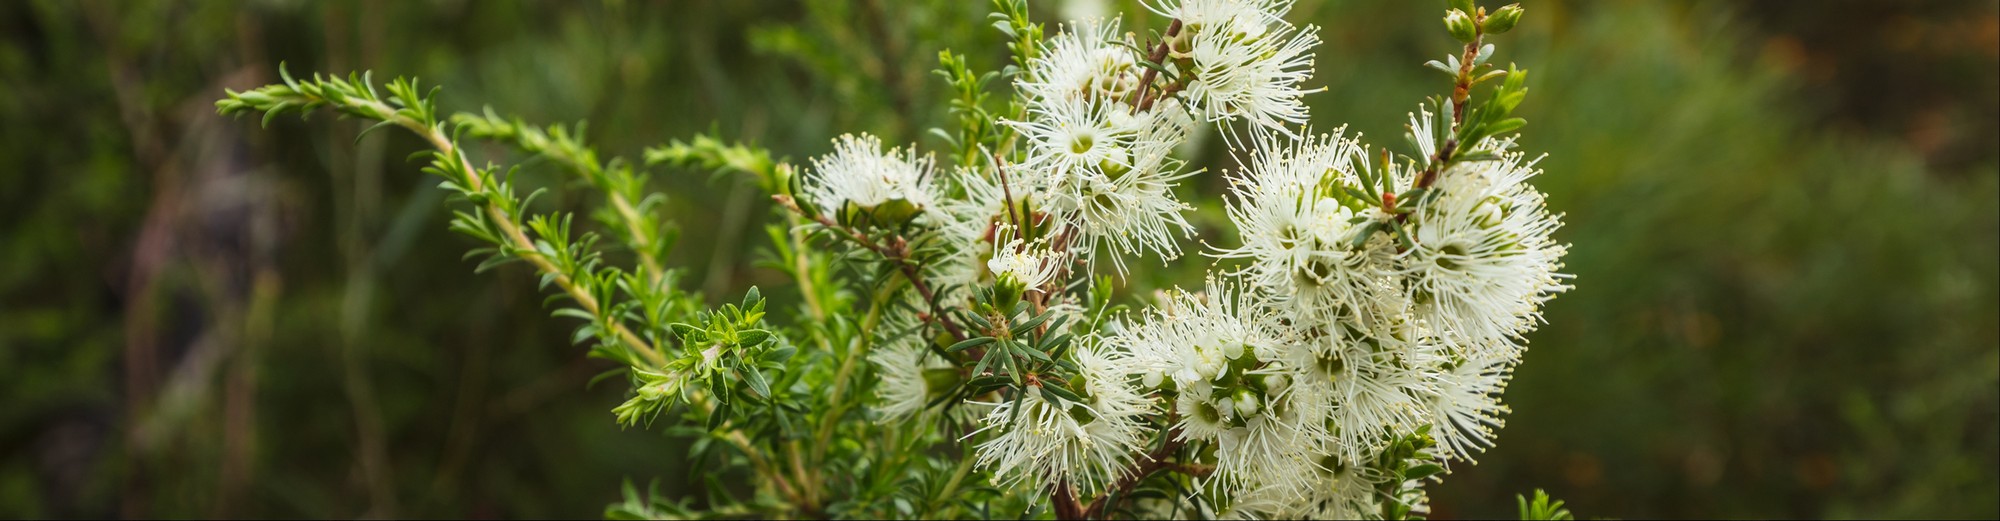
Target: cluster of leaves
{"points": [[729, 353], [1542, 507], [1026, 350], [732, 372], [1410, 458], [498, 216]]}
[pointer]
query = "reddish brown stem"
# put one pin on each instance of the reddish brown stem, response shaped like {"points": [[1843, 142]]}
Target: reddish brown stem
{"points": [[1159, 54], [1007, 191], [1066, 505], [1155, 462], [896, 253], [1462, 89]]}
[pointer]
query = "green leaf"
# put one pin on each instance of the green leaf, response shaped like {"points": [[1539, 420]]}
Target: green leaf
{"points": [[1506, 125], [1440, 66], [1049, 393], [684, 330], [970, 343], [752, 337], [1542, 507], [1029, 351], [1060, 392], [1024, 327], [601, 376], [757, 382], [721, 414]]}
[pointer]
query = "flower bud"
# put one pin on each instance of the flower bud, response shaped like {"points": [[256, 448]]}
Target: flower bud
{"points": [[1462, 5], [1460, 25], [1489, 213], [1232, 350], [895, 212], [1246, 403], [1007, 290], [1502, 20]]}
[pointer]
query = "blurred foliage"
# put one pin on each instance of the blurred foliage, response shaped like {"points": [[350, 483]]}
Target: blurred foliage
{"points": [[1784, 224]]}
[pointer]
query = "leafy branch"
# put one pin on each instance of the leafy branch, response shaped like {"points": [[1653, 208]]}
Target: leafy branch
{"points": [[896, 251], [622, 185], [564, 263], [547, 242]]}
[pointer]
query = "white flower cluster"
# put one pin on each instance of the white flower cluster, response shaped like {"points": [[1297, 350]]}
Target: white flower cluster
{"points": [[1353, 320], [1086, 443], [1340, 339], [1247, 62], [858, 177]]}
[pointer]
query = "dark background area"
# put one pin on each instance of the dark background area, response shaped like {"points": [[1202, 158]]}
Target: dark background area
{"points": [[1785, 220]]}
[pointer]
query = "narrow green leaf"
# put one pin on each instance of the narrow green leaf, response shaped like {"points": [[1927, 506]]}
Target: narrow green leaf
{"points": [[969, 344], [756, 380]]}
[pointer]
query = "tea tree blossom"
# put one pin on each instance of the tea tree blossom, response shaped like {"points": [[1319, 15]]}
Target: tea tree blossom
{"points": [[1484, 260], [1299, 224], [970, 340], [1243, 61], [1050, 441], [910, 377], [859, 175]]}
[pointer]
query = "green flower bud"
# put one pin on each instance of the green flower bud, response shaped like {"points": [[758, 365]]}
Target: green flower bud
{"points": [[1502, 20], [895, 212], [1007, 291], [652, 391], [1081, 414], [1113, 170], [1246, 403], [1460, 25]]}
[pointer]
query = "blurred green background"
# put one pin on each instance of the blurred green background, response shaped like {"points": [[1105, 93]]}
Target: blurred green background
{"points": [[1785, 218]]}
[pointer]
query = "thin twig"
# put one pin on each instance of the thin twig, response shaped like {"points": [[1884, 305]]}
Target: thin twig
{"points": [[1007, 192], [1159, 53], [1155, 462], [896, 253]]}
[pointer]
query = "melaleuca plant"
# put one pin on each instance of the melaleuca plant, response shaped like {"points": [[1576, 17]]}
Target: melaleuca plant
{"points": [[959, 349]]}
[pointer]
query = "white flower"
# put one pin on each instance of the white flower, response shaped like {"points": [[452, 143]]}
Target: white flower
{"points": [[1053, 440], [1335, 491], [903, 370], [858, 172], [1274, 443], [1191, 339], [1371, 383], [1101, 166], [1071, 139], [1298, 220], [1032, 266], [1219, 352], [970, 228], [1484, 261], [1247, 62], [1465, 409], [1082, 63], [1201, 419], [1131, 208]]}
